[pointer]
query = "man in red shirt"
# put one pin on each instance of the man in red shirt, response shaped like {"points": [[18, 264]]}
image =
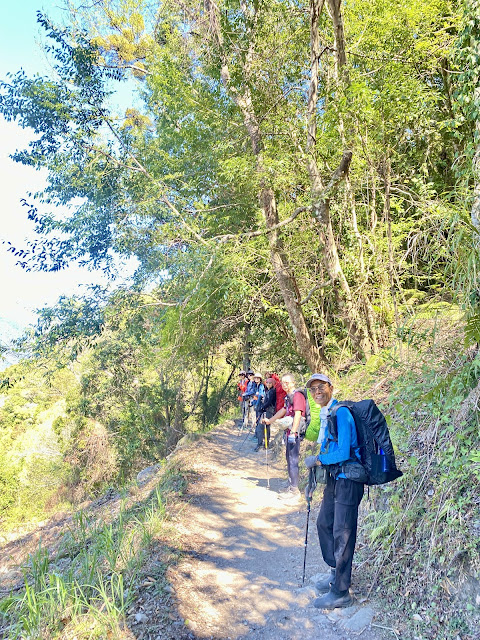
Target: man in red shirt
{"points": [[242, 387], [289, 416]]}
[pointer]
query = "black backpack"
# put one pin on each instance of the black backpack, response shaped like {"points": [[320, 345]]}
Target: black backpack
{"points": [[376, 449], [304, 422]]}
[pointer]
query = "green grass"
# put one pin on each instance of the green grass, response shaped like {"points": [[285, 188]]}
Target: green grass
{"points": [[89, 593]]}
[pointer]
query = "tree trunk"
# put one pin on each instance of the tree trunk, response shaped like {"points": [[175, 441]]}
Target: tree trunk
{"points": [[321, 195], [288, 285], [247, 349], [305, 344], [335, 10]]}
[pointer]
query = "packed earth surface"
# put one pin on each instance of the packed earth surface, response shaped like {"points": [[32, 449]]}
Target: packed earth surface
{"points": [[239, 572], [242, 577]]}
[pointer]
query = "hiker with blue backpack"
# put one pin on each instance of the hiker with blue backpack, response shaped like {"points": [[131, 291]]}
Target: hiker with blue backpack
{"points": [[248, 396], [257, 399], [355, 449]]}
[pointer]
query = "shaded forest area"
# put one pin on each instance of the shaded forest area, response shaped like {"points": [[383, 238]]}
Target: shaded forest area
{"points": [[298, 186]]}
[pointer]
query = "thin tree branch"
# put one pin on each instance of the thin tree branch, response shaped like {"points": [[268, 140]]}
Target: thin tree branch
{"points": [[133, 67], [261, 232], [322, 285]]}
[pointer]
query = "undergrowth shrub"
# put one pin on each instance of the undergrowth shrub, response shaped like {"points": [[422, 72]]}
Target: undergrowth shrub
{"points": [[422, 532]]}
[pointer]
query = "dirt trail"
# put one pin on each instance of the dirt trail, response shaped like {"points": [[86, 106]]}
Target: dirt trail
{"points": [[242, 573]]}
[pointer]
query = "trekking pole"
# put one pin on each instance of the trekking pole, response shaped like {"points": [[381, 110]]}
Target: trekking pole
{"points": [[310, 488], [245, 439], [306, 541], [266, 451]]}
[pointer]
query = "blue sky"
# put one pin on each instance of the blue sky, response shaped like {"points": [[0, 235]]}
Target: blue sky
{"points": [[22, 292]]}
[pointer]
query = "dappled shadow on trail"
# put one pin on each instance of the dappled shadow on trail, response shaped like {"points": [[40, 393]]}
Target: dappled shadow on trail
{"points": [[243, 547], [232, 566]]}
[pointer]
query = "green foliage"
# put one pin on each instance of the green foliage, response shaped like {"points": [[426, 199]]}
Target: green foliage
{"points": [[174, 185], [422, 530], [72, 428], [169, 182], [90, 592]]}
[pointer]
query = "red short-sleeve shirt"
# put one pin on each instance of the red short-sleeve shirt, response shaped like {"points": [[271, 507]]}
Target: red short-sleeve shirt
{"points": [[299, 404]]}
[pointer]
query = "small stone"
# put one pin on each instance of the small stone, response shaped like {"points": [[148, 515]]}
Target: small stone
{"points": [[477, 599], [141, 618], [417, 617], [333, 616], [347, 612], [147, 474], [360, 620]]}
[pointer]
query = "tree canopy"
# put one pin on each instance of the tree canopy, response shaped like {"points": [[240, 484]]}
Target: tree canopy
{"points": [[294, 178]]}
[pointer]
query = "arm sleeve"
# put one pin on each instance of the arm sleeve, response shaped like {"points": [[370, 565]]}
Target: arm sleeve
{"points": [[273, 398], [267, 400], [299, 402], [345, 424], [249, 392]]}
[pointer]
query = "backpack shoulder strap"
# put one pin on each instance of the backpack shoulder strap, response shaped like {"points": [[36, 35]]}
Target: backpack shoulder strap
{"points": [[303, 391], [332, 417]]}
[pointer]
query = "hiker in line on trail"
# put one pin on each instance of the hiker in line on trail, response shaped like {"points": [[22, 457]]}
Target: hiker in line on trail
{"points": [[338, 516], [267, 407], [242, 387], [279, 390], [248, 395], [251, 386], [290, 417], [258, 397]]}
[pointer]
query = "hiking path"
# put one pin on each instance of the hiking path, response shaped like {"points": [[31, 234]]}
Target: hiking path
{"points": [[241, 574]]}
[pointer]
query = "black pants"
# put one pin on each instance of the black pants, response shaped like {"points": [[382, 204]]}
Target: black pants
{"points": [[260, 431], [337, 527], [292, 454]]}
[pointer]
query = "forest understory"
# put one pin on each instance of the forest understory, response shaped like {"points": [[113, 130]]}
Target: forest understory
{"points": [[124, 565]]}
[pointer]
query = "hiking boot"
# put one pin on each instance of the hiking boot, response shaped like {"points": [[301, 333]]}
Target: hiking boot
{"points": [[333, 600], [258, 447], [325, 582]]}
